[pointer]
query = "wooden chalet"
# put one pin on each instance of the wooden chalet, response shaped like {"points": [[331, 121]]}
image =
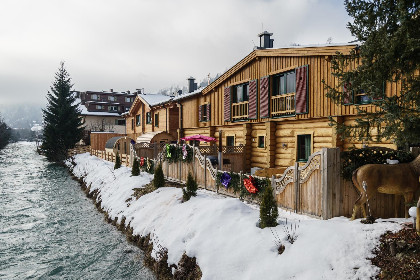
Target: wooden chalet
{"points": [[153, 118], [273, 104]]}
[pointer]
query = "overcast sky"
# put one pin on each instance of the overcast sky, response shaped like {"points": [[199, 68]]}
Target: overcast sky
{"points": [[150, 44]]}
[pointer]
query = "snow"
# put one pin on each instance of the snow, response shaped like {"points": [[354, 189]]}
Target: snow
{"points": [[221, 232], [154, 99]]}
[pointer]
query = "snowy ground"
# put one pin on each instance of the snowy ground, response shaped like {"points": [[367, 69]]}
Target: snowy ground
{"points": [[222, 234]]}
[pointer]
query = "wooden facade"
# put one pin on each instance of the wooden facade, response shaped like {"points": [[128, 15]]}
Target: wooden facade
{"points": [[274, 127]]}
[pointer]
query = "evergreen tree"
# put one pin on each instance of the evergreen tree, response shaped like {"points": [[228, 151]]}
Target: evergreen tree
{"points": [[159, 178], [268, 209], [191, 188], [5, 133], [63, 125], [117, 161], [389, 32], [135, 170]]}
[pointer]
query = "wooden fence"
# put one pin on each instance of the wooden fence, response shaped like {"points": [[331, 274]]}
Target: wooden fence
{"points": [[110, 156]]}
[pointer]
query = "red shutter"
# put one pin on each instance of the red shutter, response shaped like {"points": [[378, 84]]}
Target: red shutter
{"points": [[302, 90], [227, 100], [347, 96], [252, 100], [264, 98], [200, 115], [208, 112]]}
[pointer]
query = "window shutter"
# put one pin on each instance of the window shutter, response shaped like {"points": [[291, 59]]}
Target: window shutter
{"points": [[264, 97], [227, 104], [252, 113], [208, 112], [301, 98]]}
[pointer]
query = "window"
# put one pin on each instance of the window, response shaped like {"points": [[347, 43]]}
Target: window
{"points": [[112, 108], [284, 83], [112, 98], [261, 143], [240, 93], [132, 124], [94, 97], [157, 119], [148, 118], [99, 107], [119, 122], [303, 147], [203, 113], [230, 140], [128, 99], [138, 123]]}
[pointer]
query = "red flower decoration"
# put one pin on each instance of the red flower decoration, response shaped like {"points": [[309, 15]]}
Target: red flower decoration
{"points": [[250, 185]]}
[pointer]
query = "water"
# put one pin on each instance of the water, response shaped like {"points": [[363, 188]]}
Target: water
{"points": [[50, 230]]}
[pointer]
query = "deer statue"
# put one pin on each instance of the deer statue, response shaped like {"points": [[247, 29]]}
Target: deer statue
{"points": [[397, 179]]}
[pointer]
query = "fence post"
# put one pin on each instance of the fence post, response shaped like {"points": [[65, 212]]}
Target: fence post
{"points": [[297, 185], [205, 172], [331, 182]]}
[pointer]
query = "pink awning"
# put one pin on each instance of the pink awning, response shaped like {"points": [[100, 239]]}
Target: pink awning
{"points": [[199, 137]]}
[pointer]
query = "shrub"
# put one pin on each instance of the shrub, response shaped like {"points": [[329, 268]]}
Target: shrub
{"points": [[135, 170], [158, 179], [353, 159], [117, 161], [268, 209], [191, 188]]}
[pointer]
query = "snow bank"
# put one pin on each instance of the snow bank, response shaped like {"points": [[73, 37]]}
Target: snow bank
{"points": [[222, 234]]}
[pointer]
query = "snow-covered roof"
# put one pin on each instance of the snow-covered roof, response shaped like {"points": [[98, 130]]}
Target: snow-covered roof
{"points": [[84, 111], [154, 99], [318, 45], [189, 94]]}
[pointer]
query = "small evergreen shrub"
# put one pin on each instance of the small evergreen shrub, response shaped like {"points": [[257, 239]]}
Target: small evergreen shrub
{"points": [[268, 209], [159, 178], [190, 189], [135, 170], [117, 161], [354, 158]]}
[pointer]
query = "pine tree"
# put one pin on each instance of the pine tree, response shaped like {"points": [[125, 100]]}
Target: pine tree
{"points": [[135, 170], [268, 209], [190, 189], [159, 178], [389, 32], [63, 125], [117, 161], [5, 133]]}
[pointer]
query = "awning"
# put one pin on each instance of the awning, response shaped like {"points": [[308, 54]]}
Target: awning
{"points": [[148, 137], [199, 137], [111, 142]]}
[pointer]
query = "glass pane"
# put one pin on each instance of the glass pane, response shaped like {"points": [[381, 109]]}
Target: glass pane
{"points": [[291, 82], [282, 84], [276, 85], [246, 92], [239, 94]]}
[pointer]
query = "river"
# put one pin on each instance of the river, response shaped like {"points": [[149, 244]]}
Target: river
{"points": [[50, 230]]}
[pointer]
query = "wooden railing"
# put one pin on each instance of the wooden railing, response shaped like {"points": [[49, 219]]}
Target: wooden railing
{"points": [[240, 111], [282, 105]]}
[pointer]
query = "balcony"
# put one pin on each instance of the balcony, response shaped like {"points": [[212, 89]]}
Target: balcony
{"points": [[283, 105], [240, 111]]}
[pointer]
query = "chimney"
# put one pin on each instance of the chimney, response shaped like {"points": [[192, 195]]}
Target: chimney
{"points": [[128, 92], [191, 85], [265, 40], [111, 90]]}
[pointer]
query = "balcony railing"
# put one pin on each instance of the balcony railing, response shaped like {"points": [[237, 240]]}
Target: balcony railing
{"points": [[283, 105], [240, 111]]}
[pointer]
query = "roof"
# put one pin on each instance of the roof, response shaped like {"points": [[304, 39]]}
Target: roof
{"points": [[307, 50], [84, 111], [154, 99], [189, 94], [111, 142]]}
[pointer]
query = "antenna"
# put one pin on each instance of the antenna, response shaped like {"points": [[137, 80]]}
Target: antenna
{"points": [[262, 27]]}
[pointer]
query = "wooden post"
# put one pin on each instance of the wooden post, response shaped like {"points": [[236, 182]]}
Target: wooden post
{"points": [[205, 172], [193, 165], [220, 154], [330, 179], [241, 179], [297, 183]]}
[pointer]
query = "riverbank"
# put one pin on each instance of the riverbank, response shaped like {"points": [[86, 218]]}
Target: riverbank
{"points": [[221, 233]]}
